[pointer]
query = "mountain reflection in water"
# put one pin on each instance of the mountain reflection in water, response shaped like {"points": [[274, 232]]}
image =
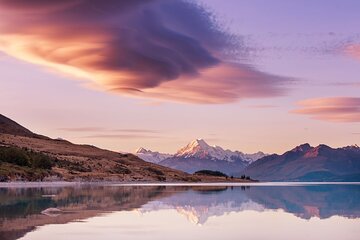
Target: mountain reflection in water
{"points": [[20, 208]]}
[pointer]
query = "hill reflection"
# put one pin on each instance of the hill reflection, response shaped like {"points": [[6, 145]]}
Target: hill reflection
{"points": [[20, 208]]}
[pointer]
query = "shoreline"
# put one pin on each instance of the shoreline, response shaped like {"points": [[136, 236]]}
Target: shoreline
{"points": [[129, 184]]}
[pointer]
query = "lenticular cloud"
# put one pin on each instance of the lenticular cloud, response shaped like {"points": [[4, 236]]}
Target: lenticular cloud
{"points": [[170, 50], [334, 109]]}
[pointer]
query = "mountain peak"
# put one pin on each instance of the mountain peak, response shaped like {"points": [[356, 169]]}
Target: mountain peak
{"points": [[323, 146], [197, 146], [198, 155], [142, 150], [302, 148], [150, 156], [352, 147], [199, 142]]}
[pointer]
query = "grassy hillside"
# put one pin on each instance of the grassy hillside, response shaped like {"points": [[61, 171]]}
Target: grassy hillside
{"points": [[27, 156], [22, 164]]}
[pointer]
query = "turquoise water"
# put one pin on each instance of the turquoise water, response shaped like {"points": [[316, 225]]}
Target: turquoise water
{"points": [[253, 211]]}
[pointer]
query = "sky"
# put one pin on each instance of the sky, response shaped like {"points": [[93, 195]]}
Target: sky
{"points": [[246, 75]]}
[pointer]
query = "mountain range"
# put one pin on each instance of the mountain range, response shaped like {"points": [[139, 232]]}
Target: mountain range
{"points": [[302, 163], [321, 201], [307, 163], [25, 155], [198, 155]]}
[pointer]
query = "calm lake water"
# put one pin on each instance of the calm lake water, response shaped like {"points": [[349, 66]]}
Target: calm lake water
{"points": [[324, 211]]}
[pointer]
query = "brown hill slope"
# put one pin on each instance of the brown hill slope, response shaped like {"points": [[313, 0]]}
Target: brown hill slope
{"points": [[84, 162], [25, 156], [8, 126]]}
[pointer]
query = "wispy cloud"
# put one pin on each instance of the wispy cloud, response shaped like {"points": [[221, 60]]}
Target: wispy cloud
{"points": [[262, 106], [171, 50], [101, 129], [353, 50], [335, 109], [82, 129], [346, 84], [107, 133], [135, 130], [120, 136], [310, 44]]}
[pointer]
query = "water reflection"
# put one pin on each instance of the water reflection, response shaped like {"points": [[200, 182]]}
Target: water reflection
{"points": [[21, 208]]}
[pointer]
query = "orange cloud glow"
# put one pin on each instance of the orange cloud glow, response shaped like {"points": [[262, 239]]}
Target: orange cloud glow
{"points": [[136, 48], [335, 109], [353, 50]]}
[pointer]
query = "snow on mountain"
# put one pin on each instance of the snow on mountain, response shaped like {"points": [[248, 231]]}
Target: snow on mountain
{"points": [[200, 149], [150, 156], [198, 155], [194, 206], [252, 157], [199, 214]]}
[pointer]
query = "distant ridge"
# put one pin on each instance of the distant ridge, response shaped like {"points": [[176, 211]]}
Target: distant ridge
{"points": [[307, 163], [150, 156], [8, 126]]}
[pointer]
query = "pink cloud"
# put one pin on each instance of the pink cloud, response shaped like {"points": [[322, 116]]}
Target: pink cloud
{"points": [[353, 50], [335, 109], [168, 50]]}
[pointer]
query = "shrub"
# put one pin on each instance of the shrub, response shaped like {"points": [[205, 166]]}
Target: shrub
{"points": [[119, 169], [41, 161], [25, 158], [211, 173], [14, 155], [155, 171]]}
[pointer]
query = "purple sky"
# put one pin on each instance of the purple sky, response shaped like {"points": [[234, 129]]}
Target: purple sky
{"points": [[246, 75]]}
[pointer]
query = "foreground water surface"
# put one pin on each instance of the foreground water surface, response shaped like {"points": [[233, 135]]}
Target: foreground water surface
{"points": [[302, 211]]}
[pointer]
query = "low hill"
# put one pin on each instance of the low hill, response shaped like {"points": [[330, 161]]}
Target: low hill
{"points": [[72, 162], [20, 146], [8, 126], [34, 157]]}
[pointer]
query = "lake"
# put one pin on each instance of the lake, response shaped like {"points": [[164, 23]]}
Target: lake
{"points": [[252, 211]]}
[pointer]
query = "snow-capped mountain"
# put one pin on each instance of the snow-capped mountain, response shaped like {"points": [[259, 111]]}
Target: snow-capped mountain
{"points": [[198, 213], [150, 156], [198, 155], [200, 149], [197, 209]]}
